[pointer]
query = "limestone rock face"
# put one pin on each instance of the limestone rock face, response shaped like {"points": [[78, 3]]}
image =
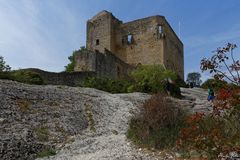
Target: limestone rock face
{"points": [[80, 123], [35, 117]]}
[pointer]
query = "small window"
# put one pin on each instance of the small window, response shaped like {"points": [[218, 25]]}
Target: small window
{"points": [[97, 42], [123, 41], [130, 39], [118, 71], [160, 29]]}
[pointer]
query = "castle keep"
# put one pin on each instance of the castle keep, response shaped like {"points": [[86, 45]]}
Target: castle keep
{"points": [[114, 47]]}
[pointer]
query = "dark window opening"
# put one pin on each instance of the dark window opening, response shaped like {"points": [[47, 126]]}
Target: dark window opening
{"points": [[97, 42], [123, 41]]}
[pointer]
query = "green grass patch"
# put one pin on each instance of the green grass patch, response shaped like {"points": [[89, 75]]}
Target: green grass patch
{"points": [[46, 153], [42, 134], [23, 76]]}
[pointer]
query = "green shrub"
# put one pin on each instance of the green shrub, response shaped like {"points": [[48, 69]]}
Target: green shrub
{"points": [[27, 77], [180, 82], [216, 84], [6, 75], [23, 76], [175, 91], [150, 78], [107, 84], [3, 65], [158, 124], [46, 153], [70, 67], [42, 134]]}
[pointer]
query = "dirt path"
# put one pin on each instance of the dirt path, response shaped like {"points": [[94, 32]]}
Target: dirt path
{"points": [[109, 115]]}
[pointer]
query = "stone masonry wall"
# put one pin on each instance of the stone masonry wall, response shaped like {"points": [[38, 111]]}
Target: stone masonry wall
{"points": [[102, 34], [173, 51], [146, 47], [149, 44], [85, 61], [108, 65], [62, 78], [103, 64]]}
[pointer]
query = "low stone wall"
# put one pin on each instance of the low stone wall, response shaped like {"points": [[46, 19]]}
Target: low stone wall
{"points": [[62, 78]]}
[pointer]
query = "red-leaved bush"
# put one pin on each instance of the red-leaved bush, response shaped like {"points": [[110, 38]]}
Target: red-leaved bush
{"points": [[215, 134]]}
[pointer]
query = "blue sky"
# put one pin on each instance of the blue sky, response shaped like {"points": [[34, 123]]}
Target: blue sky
{"points": [[43, 33]]}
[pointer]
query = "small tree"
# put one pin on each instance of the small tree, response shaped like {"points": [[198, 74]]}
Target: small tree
{"points": [[194, 78], [70, 66], [3, 66], [150, 78], [221, 66]]}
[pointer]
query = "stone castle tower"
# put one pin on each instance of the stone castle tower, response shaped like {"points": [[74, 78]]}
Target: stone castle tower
{"points": [[145, 41]]}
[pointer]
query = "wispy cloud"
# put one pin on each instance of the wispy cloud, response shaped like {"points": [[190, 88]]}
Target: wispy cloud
{"points": [[204, 41], [30, 37]]}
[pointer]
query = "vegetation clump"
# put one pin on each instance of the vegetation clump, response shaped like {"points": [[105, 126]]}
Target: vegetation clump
{"points": [[70, 67], [29, 77], [3, 66], [107, 84], [148, 79], [194, 78], [46, 153], [217, 134], [24, 105], [215, 84], [223, 65], [23, 76], [158, 124], [42, 133]]}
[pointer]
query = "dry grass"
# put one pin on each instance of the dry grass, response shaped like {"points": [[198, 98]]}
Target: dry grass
{"points": [[24, 105], [158, 124]]}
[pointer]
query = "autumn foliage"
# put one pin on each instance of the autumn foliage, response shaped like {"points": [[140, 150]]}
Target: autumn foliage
{"points": [[218, 133], [223, 64]]}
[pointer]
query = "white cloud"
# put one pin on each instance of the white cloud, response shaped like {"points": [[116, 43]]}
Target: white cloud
{"points": [[29, 37]]}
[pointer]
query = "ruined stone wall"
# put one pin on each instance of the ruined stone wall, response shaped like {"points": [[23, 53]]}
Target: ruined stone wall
{"points": [[108, 65], [146, 47], [85, 61], [103, 64], [62, 78], [100, 30], [173, 51]]}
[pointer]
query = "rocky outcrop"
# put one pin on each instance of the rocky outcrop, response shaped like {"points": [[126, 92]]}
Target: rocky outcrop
{"points": [[80, 123], [33, 118], [195, 100]]}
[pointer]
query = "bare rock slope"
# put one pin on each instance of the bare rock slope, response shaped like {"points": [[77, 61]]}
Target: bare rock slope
{"points": [[83, 123]]}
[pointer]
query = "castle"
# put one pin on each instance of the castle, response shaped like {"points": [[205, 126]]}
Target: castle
{"points": [[114, 47]]}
